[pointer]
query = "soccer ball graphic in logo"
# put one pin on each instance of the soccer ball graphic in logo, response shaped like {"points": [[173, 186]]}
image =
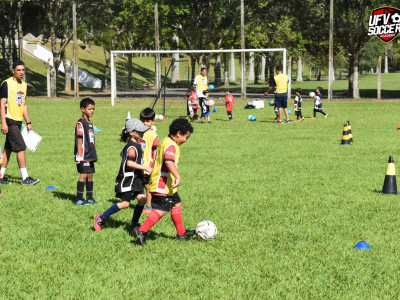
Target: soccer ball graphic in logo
{"points": [[206, 230], [396, 18], [19, 98]]}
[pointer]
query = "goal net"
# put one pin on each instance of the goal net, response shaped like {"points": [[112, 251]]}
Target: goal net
{"points": [[134, 75]]}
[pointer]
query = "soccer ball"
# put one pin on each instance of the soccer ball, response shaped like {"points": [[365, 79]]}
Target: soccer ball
{"points": [[156, 117], [271, 103], [211, 87], [253, 118], [196, 102], [154, 127], [206, 230], [249, 117], [160, 117], [211, 102], [290, 112], [312, 94]]}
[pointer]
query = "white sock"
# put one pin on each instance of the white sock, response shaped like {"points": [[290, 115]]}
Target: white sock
{"points": [[2, 171], [24, 173]]}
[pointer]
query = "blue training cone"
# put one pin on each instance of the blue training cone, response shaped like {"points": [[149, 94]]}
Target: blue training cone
{"points": [[214, 110], [95, 129], [50, 187], [362, 246]]}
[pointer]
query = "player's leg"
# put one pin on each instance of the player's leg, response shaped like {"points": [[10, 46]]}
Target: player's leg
{"points": [[315, 113], [208, 119], [137, 212], [89, 187], [6, 158], [80, 185], [126, 198]]}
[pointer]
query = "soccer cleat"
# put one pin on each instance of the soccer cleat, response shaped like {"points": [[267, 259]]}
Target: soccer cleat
{"points": [[302, 119], [140, 235], [202, 122], [81, 202], [209, 122], [313, 118], [132, 227], [287, 121], [326, 116], [186, 235], [4, 181], [230, 120], [29, 181], [92, 201], [146, 210], [296, 121], [280, 122], [98, 222]]}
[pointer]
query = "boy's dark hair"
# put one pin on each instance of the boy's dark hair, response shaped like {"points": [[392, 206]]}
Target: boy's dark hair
{"points": [[228, 90], [85, 102], [17, 62], [299, 90], [202, 69], [188, 95], [147, 114], [206, 92], [180, 125], [279, 68], [192, 88], [320, 89], [124, 136]]}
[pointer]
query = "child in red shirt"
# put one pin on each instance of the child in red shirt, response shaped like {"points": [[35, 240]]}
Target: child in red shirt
{"points": [[195, 100], [229, 103]]}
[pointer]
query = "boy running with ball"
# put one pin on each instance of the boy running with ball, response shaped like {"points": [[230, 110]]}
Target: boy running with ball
{"points": [[318, 103], [164, 182]]}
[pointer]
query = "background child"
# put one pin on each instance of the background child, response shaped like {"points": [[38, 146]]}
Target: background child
{"points": [[297, 105], [229, 103], [150, 138], [129, 182], [318, 103], [85, 153], [195, 100], [189, 105], [164, 182], [206, 108]]}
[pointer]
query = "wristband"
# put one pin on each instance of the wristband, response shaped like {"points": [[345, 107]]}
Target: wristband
{"points": [[30, 123]]}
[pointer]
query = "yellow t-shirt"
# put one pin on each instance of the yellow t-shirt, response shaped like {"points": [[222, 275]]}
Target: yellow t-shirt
{"points": [[16, 99], [161, 178], [281, 83], [201, 83], [151, 139]]}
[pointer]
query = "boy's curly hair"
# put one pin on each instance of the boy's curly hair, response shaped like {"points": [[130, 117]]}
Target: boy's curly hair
{"points": [[124, 136], [85, 102], [147, 114], [180, 125], [320, 89], [188, 95], [299, 90]]}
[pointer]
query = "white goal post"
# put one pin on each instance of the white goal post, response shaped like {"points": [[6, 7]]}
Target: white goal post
{"points": [[152, 52]]}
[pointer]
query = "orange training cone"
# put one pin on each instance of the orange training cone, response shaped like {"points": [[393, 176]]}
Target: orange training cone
{"points": [[350, 134], [390, 185], [398, 126], [345, 136]]}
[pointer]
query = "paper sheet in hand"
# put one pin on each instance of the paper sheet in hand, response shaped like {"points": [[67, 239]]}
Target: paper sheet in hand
{"points": [[31, 139]]}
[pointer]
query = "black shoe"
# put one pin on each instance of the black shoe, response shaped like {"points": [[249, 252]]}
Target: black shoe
{"points": [[29, 181], [141, 236], [202, 122], [132, 227], [186, 235], [209, 122], [4, 181]]}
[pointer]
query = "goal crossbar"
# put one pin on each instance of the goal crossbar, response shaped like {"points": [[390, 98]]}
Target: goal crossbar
{"points": [[113, 67]]}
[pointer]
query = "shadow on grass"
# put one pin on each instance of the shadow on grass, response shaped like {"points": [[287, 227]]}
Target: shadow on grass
{"points": [[65, 196], [13, 179]]}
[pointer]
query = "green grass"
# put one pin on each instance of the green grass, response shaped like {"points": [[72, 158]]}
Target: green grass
{"points": [[289, 202]]}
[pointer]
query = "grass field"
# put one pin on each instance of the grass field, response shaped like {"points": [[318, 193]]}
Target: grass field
{"points": [[289, 202]]}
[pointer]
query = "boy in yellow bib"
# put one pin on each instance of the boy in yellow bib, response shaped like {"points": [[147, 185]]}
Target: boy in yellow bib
{"points": [[13, 108], [164, 182]]}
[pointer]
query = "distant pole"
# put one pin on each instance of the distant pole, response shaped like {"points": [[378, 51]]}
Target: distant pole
{"points": [[157, 46], [386, 60], [20, 33], [379, 76], [75, 63], [331, 73], [290, 78], [243, 56]]}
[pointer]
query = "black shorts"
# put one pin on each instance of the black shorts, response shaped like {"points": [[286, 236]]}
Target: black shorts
{"points": [[195, 110], [85, 167], [281, 100], [128, 196], [297, 112], [163, 203], [229, 112], [14, 139], [146, 180]]}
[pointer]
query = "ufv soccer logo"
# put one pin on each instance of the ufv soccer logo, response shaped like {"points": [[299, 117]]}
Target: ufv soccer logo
{"points": [[384, 22]]}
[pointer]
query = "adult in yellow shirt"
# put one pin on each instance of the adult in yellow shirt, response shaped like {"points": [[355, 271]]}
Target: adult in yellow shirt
{"points": [[280, 81], [13, 108], [200, 81]]}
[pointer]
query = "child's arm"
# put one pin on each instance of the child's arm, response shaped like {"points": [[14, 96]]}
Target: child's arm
{"points": [[172, 168], [79, 147], [133, 165]]}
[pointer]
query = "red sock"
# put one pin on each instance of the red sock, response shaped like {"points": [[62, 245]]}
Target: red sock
{"points": [[152, 219], [176, 216]]}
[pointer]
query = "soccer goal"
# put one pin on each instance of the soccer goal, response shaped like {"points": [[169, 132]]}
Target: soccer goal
{"points": [[134, 74]]}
